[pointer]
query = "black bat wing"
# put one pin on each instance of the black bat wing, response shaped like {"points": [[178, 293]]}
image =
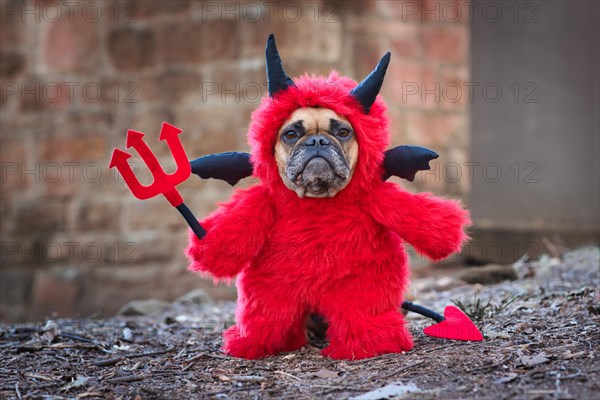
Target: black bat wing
{"points": [[405, 161], [230, 167]]}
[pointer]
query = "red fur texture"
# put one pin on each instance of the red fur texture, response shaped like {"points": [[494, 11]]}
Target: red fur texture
{"points": [[342, 257]]}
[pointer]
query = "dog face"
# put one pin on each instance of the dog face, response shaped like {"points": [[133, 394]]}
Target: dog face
{"points": [[316, 152]]}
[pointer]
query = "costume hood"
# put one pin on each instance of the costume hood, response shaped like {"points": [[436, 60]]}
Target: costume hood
{"points": [[359, 104]]}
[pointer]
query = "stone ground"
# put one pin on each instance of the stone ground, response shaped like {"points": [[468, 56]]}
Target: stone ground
{"points": [[542, 336]]}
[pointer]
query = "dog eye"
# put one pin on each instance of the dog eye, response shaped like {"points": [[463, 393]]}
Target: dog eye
{"points": [[290, 135], [343, 133]]}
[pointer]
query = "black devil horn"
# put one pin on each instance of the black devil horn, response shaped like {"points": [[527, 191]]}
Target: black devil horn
{"points": [[367, 90], [276, 76]]}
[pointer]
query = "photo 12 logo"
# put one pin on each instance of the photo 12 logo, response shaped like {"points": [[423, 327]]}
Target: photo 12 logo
{"points": [[52, 11], [487, 172], [18, 253], [66, 92], [454, 92], [270, 11]]}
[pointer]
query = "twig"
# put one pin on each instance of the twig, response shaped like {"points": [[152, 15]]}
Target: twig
{"points": [[89, 394], [126, 379], [192, 361], [551, 247], [231, 390], [286, 374], [114, 360], [18, 391], [378, 358], [397, 371], [438, 348], [47, 378], [80, 338], [247, 378], [217, 356], [107, 362], [572, 376], [9, 344]]}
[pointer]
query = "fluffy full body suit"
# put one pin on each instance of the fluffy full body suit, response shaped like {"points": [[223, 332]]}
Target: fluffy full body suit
{"points": [[341, 257]]}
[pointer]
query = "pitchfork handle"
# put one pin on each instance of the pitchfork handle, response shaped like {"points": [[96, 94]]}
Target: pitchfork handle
{"points": [[191, 220]]}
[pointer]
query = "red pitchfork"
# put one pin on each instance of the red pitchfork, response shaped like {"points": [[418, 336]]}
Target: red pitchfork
{"points": [[163, 183]]}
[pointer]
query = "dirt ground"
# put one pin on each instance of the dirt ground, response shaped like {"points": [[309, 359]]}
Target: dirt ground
{"points": [[542, 337]]}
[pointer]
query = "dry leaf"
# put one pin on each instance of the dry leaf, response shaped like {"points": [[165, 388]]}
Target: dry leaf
{"points": [[505, 379], [391, 391], [78, 382], [531, 361], [325, 374]]}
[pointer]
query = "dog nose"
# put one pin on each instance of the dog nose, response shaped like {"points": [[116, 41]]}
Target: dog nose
{"points": [[317, 140]]}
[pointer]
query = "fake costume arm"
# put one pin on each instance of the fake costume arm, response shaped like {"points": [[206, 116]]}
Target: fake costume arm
{"points": [[434, 226], [236, 231]]}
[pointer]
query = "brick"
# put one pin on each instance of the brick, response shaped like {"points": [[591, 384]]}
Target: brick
{"points": [[145, 9], [405, 49], [36, 94], [109, 288], [321, 42], [457, 184], [90, 249], [445, 11], [154, 214], [11, 28], [212, 130], [455, 90], [54, 292], [423, 11], [97, 215], [180, 42], [172, 84], [368, 27], [397, 125], [401, 10], [30, 95], [15, 285], [412, 85], [433, 129], [235, 86], [72, 46], [432, 180], [203, 196], [445, 44], [132, 48], [253, 36], [39, 217], [365, 56], [197, 42], [59, 95], [120, 91], [63, 149], [11, 64], [13, 312], [13, 157], [149, 121], [151, 246]]}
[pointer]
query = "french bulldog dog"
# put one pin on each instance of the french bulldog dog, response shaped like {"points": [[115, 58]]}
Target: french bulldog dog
{"points": [[316, 152], [322, 233]]}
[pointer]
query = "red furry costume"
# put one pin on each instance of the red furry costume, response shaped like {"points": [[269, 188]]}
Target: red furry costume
{"points": [[341, 257]]}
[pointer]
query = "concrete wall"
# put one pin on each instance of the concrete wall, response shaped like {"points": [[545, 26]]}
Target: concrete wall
{"points": [[542, 133]]}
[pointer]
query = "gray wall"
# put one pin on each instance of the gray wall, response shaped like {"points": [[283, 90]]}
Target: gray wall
{"points": [[551, 129]]}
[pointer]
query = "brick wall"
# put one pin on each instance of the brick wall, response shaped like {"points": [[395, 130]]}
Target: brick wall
{"points": [[76, 76]]}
